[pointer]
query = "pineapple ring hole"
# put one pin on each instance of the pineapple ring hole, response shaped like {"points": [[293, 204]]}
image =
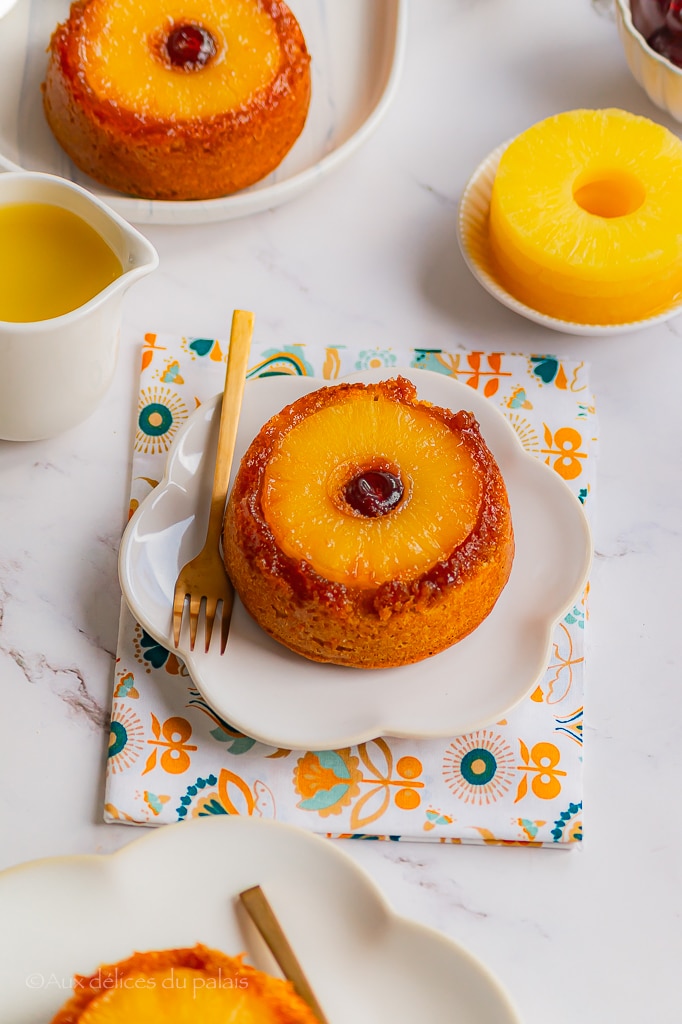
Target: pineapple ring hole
{"points": [[342, 474], [609, 194]]}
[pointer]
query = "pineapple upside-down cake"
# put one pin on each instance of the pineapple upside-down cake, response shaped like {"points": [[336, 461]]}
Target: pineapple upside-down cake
{"points": [[367, 528], [182, 986], [193, 99]]}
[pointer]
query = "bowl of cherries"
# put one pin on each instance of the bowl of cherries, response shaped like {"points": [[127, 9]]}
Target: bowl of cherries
{"points": [[651, 34]]}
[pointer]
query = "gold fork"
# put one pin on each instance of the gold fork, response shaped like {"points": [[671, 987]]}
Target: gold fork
{"points": [[204, 578]]}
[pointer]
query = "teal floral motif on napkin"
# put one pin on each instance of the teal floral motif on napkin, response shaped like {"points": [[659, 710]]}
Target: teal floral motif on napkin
{"points": [[517, 781]]}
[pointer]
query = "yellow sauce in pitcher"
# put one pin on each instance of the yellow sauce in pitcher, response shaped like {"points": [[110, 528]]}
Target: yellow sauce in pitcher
{"points": [[51, 262]]}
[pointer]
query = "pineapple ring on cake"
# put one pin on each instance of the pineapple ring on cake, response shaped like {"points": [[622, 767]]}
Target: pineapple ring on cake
{"points": [[367, 528], [177, 99], [180, 986], [584, 217]]}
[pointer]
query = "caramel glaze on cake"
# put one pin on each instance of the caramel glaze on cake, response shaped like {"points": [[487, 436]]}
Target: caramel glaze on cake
{"points": [[161, 986], [183, 101], [366, 617]]}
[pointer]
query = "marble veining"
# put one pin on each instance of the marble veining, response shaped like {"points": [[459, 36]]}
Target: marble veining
{"points": [[370, 253]]}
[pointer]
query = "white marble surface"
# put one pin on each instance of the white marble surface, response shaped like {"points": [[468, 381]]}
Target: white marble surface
{"points": [[592, 935]]}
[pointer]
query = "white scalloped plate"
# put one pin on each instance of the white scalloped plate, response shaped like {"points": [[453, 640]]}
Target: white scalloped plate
{"points": [[178, 886], [356, 48], [472, 233], [263, 689]]}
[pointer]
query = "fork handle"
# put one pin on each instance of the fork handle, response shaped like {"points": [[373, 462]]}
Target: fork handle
{"points": [[263, 916], [235, 379]]}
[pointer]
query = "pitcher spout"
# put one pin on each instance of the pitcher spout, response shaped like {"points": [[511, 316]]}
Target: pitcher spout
{"points": [[139, 259]]}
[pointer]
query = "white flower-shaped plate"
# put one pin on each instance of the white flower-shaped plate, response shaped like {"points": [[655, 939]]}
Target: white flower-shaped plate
{"points": [[263, 689], [472, 235], [356, 49], [178, 886]]}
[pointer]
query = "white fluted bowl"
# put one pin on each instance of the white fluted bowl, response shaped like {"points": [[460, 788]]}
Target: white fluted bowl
{"points": [[660, 79]]}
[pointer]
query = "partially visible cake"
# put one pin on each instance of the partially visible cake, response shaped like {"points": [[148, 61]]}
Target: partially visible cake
{"points": [[367, 528], [189, 100], [176, 986]]}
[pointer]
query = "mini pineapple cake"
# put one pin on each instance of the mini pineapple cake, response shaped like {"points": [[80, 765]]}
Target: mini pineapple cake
{"points": [[367, 528], [176, 986], [585, 217], [186, 100]]}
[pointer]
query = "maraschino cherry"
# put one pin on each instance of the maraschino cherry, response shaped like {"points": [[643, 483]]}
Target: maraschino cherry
{"points": [[660, 22], [648, 15], [374, 492], [190, 46]]}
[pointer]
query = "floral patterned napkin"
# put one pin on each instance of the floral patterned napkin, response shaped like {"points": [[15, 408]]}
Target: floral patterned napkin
{"points": [[518, 780]]}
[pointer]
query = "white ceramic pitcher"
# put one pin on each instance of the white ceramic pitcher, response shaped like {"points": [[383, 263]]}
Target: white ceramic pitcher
{"points": [[54, 372]]}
